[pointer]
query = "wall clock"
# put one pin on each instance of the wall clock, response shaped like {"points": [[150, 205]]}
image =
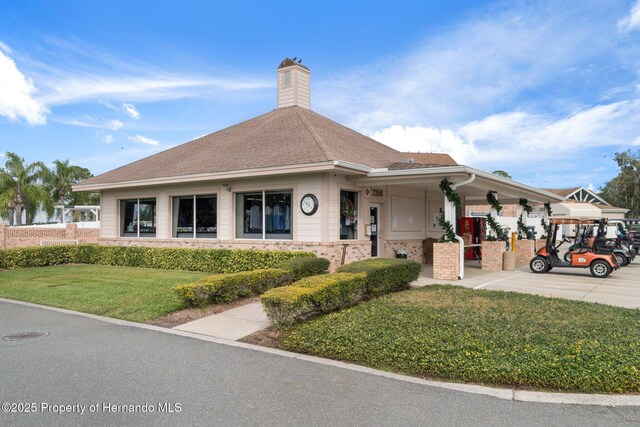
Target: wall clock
{"points": [[309, 204]]}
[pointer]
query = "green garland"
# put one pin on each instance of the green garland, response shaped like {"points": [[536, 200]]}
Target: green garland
{"points": [[451, 194], [494, 225], [495, 204], [449, 235], [523, 229], [545, 226], [525, 205]]}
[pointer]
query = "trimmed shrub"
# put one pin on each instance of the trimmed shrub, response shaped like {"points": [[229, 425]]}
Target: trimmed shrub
{"points": [[313, 295], [11, 259], [385, 275], [305, 267], [209, 260], [233, 286]]}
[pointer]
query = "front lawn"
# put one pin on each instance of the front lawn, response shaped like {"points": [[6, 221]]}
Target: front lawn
{"points": [[491, 337], [136, 294]]}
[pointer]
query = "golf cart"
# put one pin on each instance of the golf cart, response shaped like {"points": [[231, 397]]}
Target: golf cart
{"points": [[597, 258], [584, 242]]}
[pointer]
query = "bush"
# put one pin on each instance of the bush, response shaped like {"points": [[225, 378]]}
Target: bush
{"points": [[313, 295], [385, 275], [305, 267], [37, 256], [233, 286], [209, 260]]}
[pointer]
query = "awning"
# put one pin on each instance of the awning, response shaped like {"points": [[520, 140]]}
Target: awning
{"points": [[508, 191]]}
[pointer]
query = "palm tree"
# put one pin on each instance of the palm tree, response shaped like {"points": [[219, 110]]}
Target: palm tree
{"points": [[60, 180], [21, 188]]}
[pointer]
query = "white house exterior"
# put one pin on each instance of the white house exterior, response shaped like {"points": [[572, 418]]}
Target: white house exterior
{"points": [[289, 179]]}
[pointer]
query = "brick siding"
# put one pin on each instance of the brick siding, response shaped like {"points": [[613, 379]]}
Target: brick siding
{"points": [[446, 261], [492, 255]]}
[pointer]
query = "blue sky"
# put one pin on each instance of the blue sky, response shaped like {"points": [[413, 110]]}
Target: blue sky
{"points": [[545, 90]]}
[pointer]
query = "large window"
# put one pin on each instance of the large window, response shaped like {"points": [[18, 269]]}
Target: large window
{"points": [[264, 215], [138, 218], [348, 215], [195, 217]]}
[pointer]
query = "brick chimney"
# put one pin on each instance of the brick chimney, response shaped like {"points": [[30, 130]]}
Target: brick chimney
{"points": [[294, 86]]}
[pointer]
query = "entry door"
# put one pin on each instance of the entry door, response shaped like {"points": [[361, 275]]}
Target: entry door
{"points": [[375, 230]]}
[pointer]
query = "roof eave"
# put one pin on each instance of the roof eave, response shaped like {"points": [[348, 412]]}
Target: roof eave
{"points": [[378, 174], [236, 174]]}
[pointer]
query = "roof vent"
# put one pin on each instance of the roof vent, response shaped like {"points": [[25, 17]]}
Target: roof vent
{"points": [[409, 160]]}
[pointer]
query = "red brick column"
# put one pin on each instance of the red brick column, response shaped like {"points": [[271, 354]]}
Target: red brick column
{"points": [[446, 261], [3, 228], [524, 252], [492, 255], [70, 231]]}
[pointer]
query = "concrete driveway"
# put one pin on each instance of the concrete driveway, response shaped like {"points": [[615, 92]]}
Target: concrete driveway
{"points": [[621, 288]]}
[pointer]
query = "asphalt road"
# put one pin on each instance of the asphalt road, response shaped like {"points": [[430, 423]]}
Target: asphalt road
{"points": [[97, 364]]}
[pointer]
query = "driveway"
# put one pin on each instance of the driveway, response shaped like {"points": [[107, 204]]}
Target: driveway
{"points": [[621, 288], [91, 363]]}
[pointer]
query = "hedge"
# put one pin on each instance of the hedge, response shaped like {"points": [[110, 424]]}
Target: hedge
{"points": [[233, 286], [305, 267], [385, 275], [209, 260], [313, 295]]}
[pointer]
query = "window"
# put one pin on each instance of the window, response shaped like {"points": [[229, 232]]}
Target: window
{"points": [[286, 79], [264, 215], [138, 218], [195, 217], [348, 215]]}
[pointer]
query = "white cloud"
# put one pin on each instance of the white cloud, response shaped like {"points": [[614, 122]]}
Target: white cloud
{"points": [[130, 109], [115, 125], [514, 141], [144, 140], [632, 20], [427, 140], [17, 100], [483, 65], [107, 139]]}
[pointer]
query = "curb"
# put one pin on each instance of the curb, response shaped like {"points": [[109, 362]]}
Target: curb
{"points": [[500, 393]]}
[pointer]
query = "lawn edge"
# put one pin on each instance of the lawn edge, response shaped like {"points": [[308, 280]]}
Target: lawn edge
{"points": [[503, 393]]}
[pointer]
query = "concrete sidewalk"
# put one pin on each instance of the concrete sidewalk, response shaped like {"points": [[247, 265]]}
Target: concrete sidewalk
{"points": [[231, 324]]}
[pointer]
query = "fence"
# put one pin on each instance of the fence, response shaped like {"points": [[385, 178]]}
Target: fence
{"points": [[18, 237]]}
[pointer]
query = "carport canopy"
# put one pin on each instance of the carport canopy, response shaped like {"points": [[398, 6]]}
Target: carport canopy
{"points": [[506, 190]]}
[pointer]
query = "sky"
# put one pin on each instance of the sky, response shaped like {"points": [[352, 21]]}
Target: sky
{"points": [[545, 90]]}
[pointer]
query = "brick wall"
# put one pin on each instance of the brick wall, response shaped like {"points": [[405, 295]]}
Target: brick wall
{"points": [[446, 261], [413, 248], [524, 252], [19, 237], [492, 255], [354, 250]]}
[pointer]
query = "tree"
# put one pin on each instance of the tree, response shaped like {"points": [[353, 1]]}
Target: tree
{"points": [[501, 173], [624, 190], [60, 179], [21, 189]]}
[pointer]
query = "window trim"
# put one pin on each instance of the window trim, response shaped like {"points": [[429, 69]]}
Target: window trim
{"points": [[194, 196], [137, 200], [264, 201]]}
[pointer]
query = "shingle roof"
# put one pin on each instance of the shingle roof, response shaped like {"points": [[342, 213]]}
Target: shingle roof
{"points": [[433, 159], [286, 136], [564, 192]]}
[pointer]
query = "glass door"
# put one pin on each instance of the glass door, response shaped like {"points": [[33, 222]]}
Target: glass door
{"points": [[375, 236]]}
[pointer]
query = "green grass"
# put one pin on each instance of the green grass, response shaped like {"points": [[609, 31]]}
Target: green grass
{"points": [[490, 337], [136, 294]]}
